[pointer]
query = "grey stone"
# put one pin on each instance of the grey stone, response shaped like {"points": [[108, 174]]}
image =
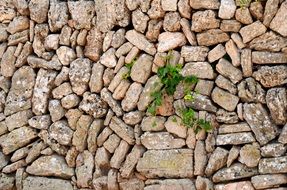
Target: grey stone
{"points": [[40, 122], [139, 20], [235, 138], [132, 96], [122, 130], [140, 41], [273, 165], [225, 84], [233, 154], [217, 160], [119, 154], [273, 150], [84, 169], [283, 136], [183, 184], [234, 128], [224, 99], [170, 40], [226, 69], [54, 165], [36, 62], [224, 116], [268, 180], [212, 37], [202, 70], [18, 119], [251, 91], [93, 48], [194, 53], [227, 9], [181, 161], [171, 22], [249, 155], [133, 117], [209, 4], [39, 10], [216, 53], [141, 69], [81, 13], [279, 20], [201, 102], [276, 99], [57, 15], [174, 125], [200, 158], [7, 181], [203, 20], [161, 140], [252, 31], [79, 75], [204, 87], [153, 30], [44, 183], [184, 9], [269, 41], [234, 172], [61, 132], [271, 76], [260, 122]]}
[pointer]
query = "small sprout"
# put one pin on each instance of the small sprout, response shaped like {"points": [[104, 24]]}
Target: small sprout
{"points": [[153, 124], [129, 66], [188, 97], [174, 119]]}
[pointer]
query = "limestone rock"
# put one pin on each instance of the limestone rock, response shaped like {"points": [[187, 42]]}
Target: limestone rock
{"points": [[279, 20], [234, 172], [114, 105], [272, 165], [282, 138], [233, 52], [212, 37], [169, 5], [122, 130], [133, 117], [202, 70], [174, 125], [54, 165], [44, 183], [84, 169], [155, 11], [209, 4], [57, 15], [234, 128], [181, 161], [132, 96], [260, 122], [246, 62], [81, 13], [200, 158], [161, 140], [40, 122], [271, 76], [171, 22], [170, 40], [260, 57], [202, 103], [224, 99], [224, 116], [273, 150], [251, 91], [140, 41], [18, 119], [269, 41], [276, 99], [93, 48], [249, 155], [235, 138], [39, 10], [227, 9], [79, 75], [216, 161], [8, 62], [96, 80], [139, 20], [171, 183], [61, 132], [226, 69], [203, 20], [119, 154], [252, 31], [225, 84], [235, 186], [194, 53], [268, 180], [141, 69]]}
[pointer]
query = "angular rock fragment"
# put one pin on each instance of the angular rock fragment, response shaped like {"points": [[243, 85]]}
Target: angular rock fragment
{"points": [[216, 53], [79, 75], [273, 165], [39, 10], [81, 13], [140, 41], [203, 20], [194, 53], [225, 84], [139, 20], [224, 99], [273, 150], [233, 52], [200, 158], [211, 37], [132, 95], [201, 102], [249, 155], [252, 31], [260, 122], [44, 183], [235, 138], [268, 180], [271, 76], [234, 128], [84, 169], [40, 122], [36, 62], [8, 62], [122, 130], [235, 185], [93, 105], [269, 41], [216, 161], [279, 21], [276, 99], [171, 22], [234, 172], [16, 139], [54, 165], [170, 40], [114, 105], [246, 62], [227, 9], [226, 69], [170, 183], [93, 48], [181, 161], [120, 154], [141, 69], [61, 132], [18, 119], [251, 91], [57, 15], [209, 4], [202, 70], [271, 9], [161, 140]]}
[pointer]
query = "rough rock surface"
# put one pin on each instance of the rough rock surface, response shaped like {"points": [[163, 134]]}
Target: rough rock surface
{"points": [[86, 100]]}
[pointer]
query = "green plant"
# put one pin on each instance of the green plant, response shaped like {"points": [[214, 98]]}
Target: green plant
{"points": [[189, 120], [245, 3], [129, 66], [170, 76]]}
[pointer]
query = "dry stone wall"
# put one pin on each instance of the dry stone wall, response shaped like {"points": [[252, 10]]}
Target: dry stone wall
{"points": [[73, 111]]}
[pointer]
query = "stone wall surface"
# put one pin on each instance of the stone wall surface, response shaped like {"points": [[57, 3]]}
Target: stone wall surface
{"points": [[73, 109]]}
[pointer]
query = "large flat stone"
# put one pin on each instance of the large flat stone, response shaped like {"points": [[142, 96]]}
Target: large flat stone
{"points": [[265, 57], [166, 163], [280, 20], [235, 138], [44, 183], [273, 165]]}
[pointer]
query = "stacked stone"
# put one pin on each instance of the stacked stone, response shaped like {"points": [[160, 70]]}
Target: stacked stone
{"points": [[70, 119]]}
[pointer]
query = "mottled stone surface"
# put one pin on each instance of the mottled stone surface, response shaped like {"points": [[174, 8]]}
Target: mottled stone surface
{"points": [[44, 183], [271, 76], [272, 165]]}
